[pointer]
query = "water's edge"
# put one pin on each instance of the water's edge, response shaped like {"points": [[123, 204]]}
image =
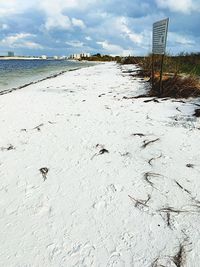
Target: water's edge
{"points": [[7, 91]]}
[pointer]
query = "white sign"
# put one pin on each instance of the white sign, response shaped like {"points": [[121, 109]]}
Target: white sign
{"points": [[160, 29]]}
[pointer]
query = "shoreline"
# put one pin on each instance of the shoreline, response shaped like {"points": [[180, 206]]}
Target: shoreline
{"points": [[89, 177], [7, 91], [20, 58]]}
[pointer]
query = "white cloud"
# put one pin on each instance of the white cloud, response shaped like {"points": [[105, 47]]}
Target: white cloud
{"points": [[50, 6], [122, 26], [12, 7], [7, 8], [10, 40], [75, 43], [30, 45], [20, 40], [114, 49], [110, 47], [184, 6], [63, 22], [134, 37], [180, 39], [185, 41], [58, 21], [103, 20], [4, 26], [54, 10], [78, 23], [55, 13], [88, 38]]}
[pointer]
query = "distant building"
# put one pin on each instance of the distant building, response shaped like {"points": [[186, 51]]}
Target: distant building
{"points": [[44, 57], [76, 56], [85, 55], [79, 56], [11, 54], [63, 57]]}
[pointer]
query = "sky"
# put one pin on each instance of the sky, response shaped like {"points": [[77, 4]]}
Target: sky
{"points": [[114, 27]]}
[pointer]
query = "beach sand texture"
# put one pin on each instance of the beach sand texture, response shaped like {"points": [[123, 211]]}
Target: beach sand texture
{"points": [[89, 178]]}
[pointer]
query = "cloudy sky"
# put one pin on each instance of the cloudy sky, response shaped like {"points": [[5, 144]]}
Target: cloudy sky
{"points": [[62, 27]]}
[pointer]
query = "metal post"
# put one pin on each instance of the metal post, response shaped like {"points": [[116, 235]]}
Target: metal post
{"points": [[152, 72], [161, 73]]}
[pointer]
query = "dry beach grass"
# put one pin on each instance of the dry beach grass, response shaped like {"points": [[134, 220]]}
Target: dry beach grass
{"points": [[176, 87], [175, 83]]}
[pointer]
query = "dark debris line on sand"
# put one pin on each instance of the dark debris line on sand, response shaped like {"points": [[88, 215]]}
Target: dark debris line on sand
{"points": [[179, 258], [101, 151], [197, 112], [10, 147], [138, 134], [150, 161], [44, 171], [38, 127], [41, 80], [146, 143]]}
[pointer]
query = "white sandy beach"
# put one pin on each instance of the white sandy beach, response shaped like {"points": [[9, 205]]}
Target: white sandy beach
{"points": [[108, 197]]}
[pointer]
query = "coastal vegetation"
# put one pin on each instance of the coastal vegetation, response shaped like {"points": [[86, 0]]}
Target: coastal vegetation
{"points": [[181, 74], [101, 58]]}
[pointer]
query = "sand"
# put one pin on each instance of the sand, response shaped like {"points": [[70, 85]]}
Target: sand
{"points": [[89, 178]]}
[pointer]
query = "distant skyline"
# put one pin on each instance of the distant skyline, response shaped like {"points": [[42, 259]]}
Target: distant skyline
{"points": [[116, 27]]}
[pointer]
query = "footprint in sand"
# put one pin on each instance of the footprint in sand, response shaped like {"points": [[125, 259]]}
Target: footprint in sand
{"points": [[83, 254], [166, 261], [107, 197], [127, 241], [115, 261]]}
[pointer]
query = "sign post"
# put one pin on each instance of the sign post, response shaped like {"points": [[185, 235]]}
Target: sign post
{"points": [[152, 71], [160, 29]]}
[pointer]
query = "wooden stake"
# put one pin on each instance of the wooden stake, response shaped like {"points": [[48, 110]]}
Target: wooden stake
{"points": [[161, 73], [152, 72]]}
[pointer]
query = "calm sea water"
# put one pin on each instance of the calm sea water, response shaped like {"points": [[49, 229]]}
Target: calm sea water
{"points": [[14, 73]]}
